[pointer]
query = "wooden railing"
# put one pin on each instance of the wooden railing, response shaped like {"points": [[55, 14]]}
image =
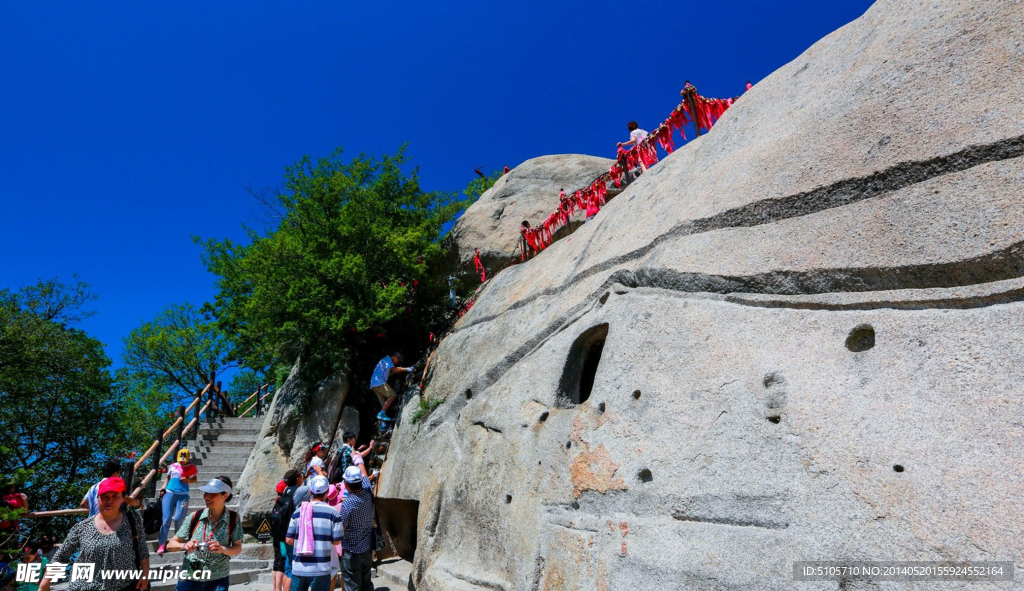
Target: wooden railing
{"points": [[259, 404], [216, 404]]}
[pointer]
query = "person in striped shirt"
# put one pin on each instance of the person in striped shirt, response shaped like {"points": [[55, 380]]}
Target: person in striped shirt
{"points": [[314, 532]]}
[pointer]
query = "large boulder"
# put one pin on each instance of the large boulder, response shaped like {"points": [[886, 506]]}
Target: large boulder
{"points": [[528, 192], [798, 337], [298, 418]]}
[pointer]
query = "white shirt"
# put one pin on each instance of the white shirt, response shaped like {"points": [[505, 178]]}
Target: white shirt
{"points": [[637, 136], [316, 461]]}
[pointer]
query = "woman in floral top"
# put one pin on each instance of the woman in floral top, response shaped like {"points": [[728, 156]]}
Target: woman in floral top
{"points": [[216, 527], [106, 541]]}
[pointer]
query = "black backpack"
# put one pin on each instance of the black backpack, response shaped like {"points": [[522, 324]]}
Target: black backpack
{"points": [[153, 517], [281, 514]]}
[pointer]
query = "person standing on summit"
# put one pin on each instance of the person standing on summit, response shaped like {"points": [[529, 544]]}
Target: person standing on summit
{"points": [[379, 380]]}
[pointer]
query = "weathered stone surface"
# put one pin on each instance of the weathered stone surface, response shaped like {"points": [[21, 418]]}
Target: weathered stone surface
{"points": [[528, 192], [349, 422], [741, 418], [296, 420]]}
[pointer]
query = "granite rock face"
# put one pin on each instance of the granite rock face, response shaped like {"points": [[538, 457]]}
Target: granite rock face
{"points": [[297, 419], [528, 192], [796, 338]]}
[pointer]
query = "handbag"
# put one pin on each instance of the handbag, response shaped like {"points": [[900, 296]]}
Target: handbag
{"points": [[153, 517], [130, 516]]}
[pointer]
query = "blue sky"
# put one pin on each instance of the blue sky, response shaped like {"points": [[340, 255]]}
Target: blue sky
{"points": [[127, 127]]}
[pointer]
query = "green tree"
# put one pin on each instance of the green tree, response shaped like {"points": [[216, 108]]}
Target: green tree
{"points": [[479, 185], [176, 352], [59, 412], [348, 259]]}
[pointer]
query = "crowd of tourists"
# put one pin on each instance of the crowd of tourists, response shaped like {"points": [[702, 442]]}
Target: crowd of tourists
{"points": [[324, 523]]}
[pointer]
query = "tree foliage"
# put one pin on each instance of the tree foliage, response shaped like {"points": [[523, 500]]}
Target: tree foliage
{"points": [[59, 412], [348, 259], [176, 352]]}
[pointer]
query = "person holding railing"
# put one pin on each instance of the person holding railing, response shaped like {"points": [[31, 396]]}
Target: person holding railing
{"points": [[112, 541], [174, 495], [387, 367], [636, 135]]}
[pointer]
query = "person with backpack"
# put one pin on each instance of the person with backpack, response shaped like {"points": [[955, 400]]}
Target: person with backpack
{"points": [[280, 516], [210, 538], [278, 566], [347, 455]]}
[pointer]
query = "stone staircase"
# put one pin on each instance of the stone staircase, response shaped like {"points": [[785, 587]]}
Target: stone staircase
{"points": [[222, 449]]}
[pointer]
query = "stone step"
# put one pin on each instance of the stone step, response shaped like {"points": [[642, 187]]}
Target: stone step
{"points": [[239, 577], [226, 436], [239, 431], [227, 440], [395, 571], [206, 456]]}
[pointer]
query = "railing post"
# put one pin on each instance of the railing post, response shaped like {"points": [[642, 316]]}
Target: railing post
{"points": [[196, 412], [156, 461], [128, 474], [181, 427], [693, 108], [212, 413], [259, 401]]}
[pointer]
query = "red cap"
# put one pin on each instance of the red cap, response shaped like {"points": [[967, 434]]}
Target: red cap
{"points": [[113, 484], [281, 486]]}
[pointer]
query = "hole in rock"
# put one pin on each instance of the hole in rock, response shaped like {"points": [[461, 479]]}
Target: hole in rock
{"points": [[604, 298], [600, 408], [568, 444], [645, 475], [773, 379], [543, 416], [575, 505], [508, 499], [469, 393], [580, 368], [774, 419], [636, 394], [861, 338], [897, 468], [398, 524]]}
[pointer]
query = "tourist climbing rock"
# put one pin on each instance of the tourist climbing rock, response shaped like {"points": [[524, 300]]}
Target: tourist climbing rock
{"points": [[636, 135], [387, 367]]}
